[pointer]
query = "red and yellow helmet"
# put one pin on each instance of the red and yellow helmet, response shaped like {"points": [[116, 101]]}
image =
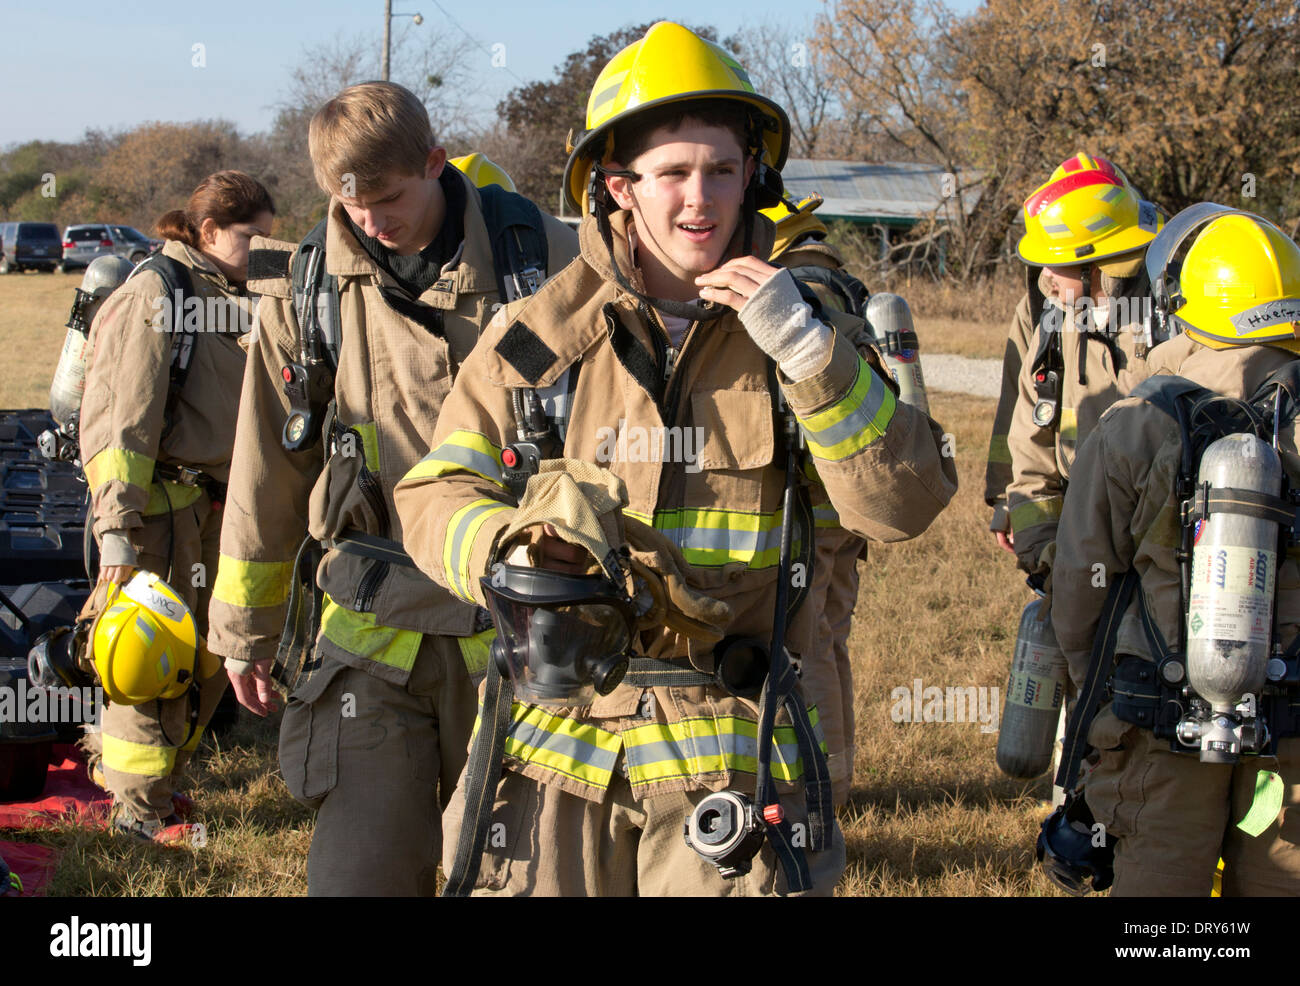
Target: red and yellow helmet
{"points": [[1087, 211]]}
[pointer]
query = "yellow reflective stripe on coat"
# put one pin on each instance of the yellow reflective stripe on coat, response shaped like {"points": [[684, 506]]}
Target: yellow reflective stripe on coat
{"points": [[137, 758], [854, 422], [136, 469], [720, 537], [825, 515], [1026, 515], [177, 496], [461, 451], [710, 537], [369, 443], [655, 752], [999, 450], [132, 468], [459, 546], [476, 651], [563, 746], [359, 634], [1069, 427], [708, 745], [252, 584], [192, 743]]}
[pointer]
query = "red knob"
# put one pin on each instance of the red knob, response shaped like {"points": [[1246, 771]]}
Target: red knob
{"points": [[773, 814], [509, 457], [287, 373]]}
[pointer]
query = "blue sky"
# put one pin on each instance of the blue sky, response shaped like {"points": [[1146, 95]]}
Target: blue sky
{"points": [[77, 64]]}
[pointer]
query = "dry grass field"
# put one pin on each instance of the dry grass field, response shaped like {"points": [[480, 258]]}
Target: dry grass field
{"points": [[929, 815]]}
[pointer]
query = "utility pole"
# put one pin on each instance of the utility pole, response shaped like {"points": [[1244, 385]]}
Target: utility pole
{"points": [[417, 19], [388, 36]]}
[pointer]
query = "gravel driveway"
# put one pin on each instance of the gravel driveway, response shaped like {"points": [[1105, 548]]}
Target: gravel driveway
{"points": [[961, 374]]}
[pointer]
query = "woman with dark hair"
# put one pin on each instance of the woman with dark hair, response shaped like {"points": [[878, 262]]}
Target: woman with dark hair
{"points": [[157, 434]]}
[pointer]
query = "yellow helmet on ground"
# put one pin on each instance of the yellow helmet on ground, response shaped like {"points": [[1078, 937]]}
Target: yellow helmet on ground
{"points": [[1085, 212], [1240, 285], [670, 64], [482, 171], [795, 221], [144, 644]]}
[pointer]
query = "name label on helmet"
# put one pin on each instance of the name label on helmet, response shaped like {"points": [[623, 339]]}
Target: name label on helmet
{"points": [[149, 597], [1278, 312], [1147, 216]]}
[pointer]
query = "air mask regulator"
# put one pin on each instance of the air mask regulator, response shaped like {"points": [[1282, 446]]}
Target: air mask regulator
{"points": [[727, 830]]}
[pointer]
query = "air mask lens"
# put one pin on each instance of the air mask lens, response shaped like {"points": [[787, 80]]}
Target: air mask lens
{"points": [[554, 650]]}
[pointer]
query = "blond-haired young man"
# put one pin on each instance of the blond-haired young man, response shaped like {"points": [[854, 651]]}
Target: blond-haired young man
{"points": [[375, 738]]}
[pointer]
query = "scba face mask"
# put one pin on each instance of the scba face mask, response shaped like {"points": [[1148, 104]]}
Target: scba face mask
{"points": [[562, 639]]}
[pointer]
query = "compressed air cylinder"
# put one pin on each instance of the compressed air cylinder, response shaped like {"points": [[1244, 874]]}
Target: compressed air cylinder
{"points": [[891, 323], [1234, 571], [102, 278], [69, 377], [1035, 691]]}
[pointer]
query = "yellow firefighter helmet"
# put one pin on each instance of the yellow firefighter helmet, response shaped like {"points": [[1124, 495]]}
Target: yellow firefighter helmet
{"points": [[670, 64], [1240, 285], [482, 171], [144, 645]]}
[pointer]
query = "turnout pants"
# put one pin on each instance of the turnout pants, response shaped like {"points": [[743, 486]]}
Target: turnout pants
{"points": [[145, 747], [547, 842], [827, 678], [378, 762], [1174, 817]]}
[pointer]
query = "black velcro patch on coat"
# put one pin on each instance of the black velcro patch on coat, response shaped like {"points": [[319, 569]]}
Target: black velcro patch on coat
{"points": [[265, 264], [639, 364], [522, 349]]}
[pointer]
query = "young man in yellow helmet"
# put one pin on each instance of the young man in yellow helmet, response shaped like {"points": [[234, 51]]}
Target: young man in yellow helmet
{"points": [[594, 799], [1186, 772], [362, 328], [1087, 228]]}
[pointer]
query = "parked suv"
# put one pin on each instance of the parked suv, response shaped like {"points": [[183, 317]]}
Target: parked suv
{"points": [[24, 245], [83, 243]]}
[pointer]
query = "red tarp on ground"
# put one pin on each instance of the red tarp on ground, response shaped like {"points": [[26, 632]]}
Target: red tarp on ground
{"points": [[34, 864], [69, 795]]}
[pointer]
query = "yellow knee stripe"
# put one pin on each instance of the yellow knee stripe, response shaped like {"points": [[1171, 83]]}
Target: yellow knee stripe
{"points": [[138, 758]]}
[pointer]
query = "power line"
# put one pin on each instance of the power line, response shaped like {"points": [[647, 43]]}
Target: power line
{"points": [[475, 41]]}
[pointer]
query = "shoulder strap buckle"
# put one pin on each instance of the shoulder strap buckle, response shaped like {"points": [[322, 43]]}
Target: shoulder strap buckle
{"points": [[526, 282]]}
